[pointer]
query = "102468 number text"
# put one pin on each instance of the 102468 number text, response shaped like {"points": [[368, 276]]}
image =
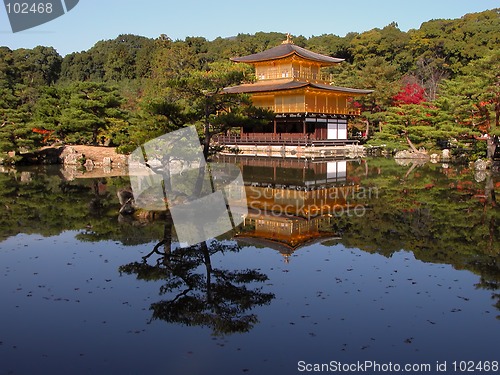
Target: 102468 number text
{"points": [[25, 8], [475, 366]]}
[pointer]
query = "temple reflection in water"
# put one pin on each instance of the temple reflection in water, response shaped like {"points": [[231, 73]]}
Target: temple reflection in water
{"points": [[293, 202]]}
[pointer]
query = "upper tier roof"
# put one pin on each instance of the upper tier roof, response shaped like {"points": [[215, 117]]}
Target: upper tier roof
{"points": [[285, 50]]}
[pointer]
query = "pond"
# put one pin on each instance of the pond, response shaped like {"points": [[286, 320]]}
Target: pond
{"points": [[400, 272]]}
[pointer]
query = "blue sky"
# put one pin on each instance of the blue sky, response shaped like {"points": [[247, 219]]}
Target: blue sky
{"points": [[94, 20]]}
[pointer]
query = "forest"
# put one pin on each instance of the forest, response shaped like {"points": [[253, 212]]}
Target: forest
{"points": [[439, 83]]}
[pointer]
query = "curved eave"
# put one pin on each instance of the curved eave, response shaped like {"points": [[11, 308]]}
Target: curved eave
{"points": [[264, 87], [291, 85], [341, 89], [286, 50]]}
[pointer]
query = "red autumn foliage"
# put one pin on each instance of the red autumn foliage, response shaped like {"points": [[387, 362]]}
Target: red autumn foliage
{"points": [[412, 93], [42, 131], [46, 133]]}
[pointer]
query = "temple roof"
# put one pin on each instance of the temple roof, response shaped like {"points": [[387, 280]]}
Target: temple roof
{"points": [[284, 247], [285, 50], [279, 85]]}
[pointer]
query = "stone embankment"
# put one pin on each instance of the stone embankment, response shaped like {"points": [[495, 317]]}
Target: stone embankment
{"points": [[92, 162], [88, 156], [92, 156], [78, 160]]}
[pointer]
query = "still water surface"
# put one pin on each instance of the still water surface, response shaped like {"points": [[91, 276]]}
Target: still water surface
{"points": [[411, 277]]}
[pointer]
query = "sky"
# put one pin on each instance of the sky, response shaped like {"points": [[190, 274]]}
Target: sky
{"points": [[94, 20]]}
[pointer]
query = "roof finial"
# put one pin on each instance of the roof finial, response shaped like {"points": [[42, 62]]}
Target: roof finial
{"points": [[288, 39]]}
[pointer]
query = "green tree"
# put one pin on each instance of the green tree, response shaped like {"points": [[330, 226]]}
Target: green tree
{"points": [[473, 99], [389, 43], [38, 66], [24, 74], [82, 66], [47, 112], [15, 135], [415, 125], [90, 109], [332, 45], [128, 57]]}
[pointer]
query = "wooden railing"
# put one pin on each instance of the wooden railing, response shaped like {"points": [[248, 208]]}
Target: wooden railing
{"points": [[298, 75], [301, 108], [277, 140]]}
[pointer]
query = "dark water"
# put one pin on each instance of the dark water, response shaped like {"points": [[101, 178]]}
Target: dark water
{"points": [[400, 267]]}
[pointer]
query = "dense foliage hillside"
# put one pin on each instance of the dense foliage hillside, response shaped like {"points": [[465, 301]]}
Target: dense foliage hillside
{"points": [[439, 82]]}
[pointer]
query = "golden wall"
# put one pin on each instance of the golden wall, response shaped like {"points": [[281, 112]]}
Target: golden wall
{"points": [[311, 101]]}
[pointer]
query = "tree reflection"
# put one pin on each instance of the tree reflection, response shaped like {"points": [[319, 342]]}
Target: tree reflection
{"points": [[200, 294], [440, 214]]}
